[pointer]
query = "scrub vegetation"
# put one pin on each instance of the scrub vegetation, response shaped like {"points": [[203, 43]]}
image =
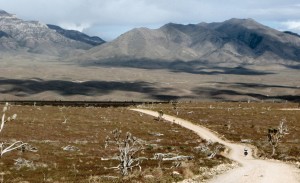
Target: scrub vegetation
{"points": [[69, 144]]}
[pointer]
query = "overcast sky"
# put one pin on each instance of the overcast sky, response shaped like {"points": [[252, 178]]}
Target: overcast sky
{"points": [[110, 18]]}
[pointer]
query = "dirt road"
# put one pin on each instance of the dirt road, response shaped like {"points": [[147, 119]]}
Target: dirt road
{"points": [[251, 169], [290, 109]]}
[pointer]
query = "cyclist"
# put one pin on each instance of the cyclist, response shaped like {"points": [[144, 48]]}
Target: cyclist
{"points": [[245, 152]]}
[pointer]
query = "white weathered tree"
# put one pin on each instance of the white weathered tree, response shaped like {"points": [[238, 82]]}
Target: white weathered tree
{"points": [[128, 149], [210, 149], [175, 107], [7, 147], [160, 115], [275, 135]]}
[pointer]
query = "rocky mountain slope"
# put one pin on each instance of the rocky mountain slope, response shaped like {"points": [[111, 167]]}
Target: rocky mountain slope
{"points": [[19, 36], [235, 41], [77, 36], [292, 33]]}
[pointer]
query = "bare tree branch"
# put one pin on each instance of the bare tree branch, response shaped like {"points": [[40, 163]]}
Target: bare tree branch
{"points": [[4, 148], [276, 134], [128, 149]]}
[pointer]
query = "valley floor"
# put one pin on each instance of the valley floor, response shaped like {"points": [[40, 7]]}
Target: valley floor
{"points": [[64, 80]]}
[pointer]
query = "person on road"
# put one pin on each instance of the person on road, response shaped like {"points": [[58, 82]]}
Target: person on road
{"points": [[245, 152]]}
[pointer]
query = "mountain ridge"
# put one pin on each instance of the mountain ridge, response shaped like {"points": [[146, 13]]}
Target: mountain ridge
{"points": [[33, 37], [234, 40], [77, 36], [238, 41], [292, 33]]}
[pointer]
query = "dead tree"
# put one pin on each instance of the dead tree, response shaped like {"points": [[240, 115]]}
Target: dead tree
{"points": [[160, 115], [175, 108], [7, 147], [128, 150], [228, 125], [215, 152], [177, 159], [211, 152], [275, 135]]}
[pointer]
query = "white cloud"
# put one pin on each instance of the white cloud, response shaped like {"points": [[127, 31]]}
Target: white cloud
{"points": [[73, 26], [292, 25]]}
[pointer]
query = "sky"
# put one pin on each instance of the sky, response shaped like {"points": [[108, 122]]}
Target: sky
{"points": [[111, 18]]}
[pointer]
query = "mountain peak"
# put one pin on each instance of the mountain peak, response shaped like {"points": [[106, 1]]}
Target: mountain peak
{"points": [[245, 21], [171, 24], [241, 20], [234, 23], [175, 25], [237, 40]]}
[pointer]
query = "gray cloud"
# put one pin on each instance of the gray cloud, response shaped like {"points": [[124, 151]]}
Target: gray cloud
{"points": [[110, 18]]}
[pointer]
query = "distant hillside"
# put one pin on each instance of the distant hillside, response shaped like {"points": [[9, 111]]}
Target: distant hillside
{"points": [[21, 36], [77, 36], [292, 33], [234, 41]]}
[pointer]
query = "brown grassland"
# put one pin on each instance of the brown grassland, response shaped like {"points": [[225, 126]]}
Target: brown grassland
{"points": [[86, 129]]}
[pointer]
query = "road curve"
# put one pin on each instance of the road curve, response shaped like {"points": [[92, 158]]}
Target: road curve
{"points": [[251, 170]]}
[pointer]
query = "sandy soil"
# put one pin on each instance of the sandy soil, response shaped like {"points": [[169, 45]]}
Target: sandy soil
{"points": [[251, 169]]}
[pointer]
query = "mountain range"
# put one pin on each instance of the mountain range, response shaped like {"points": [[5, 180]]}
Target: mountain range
{"points": [[234, 41], [18, 36], [238, 59], [242, 41]]}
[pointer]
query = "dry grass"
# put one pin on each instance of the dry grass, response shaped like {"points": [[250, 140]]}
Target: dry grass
{"points": [[86, 129], [246, 121]]}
